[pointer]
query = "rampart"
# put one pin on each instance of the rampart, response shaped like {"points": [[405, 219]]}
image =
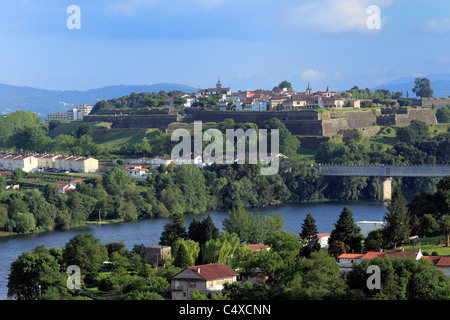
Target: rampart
{"points": [[303, 123], [430, 102]]}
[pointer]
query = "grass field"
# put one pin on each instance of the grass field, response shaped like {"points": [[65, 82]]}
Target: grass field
{"points": [[102, 135], [66, 127], [306, 154], [386, 136], [428, 245]]}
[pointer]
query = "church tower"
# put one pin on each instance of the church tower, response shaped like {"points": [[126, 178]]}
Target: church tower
{"points": [[328, 92], [309, 90], [219, 84]]}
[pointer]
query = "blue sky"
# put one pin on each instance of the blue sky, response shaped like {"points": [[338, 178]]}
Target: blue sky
{"points": [[250, 44]]}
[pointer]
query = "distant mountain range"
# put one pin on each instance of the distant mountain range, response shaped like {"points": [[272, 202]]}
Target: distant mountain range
{"points": [[42, 102], [440, 83]]}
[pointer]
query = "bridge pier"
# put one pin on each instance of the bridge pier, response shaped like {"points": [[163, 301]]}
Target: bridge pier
{"points": [[386, 188]]}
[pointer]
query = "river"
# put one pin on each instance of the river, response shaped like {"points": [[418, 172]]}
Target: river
{"points": [[147, 232]]}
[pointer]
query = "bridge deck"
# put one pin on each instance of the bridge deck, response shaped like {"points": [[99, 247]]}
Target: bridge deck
{"points": [[383, 171]]}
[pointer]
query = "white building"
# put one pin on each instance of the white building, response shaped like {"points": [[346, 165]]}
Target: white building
{"points": [[189, 159], [251, 105], [367, 226], [79, 112], [138, 172], [10, 162], [72, 185], [157, 161], [323, 239], [76, 164]]}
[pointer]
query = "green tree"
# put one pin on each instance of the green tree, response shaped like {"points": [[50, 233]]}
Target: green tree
{"points": [[191, 181], [85, 251], [428, 226], [182, 258], [25, 222], [31, 270], [422, 88], [173, 230], [115, 180], [202, 231], [347, 231], [196, 295], [83, 129], [284, 84], [288, 143], [417, 131], [443, 114], [374, 240], [17, 175], [309, 234], [239, 222], [319, 279], [31, 139], [444, 223], [179, 101], [396, 221]]}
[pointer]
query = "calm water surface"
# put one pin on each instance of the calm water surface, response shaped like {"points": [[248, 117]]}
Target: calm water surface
{"points": [[147, 232]]}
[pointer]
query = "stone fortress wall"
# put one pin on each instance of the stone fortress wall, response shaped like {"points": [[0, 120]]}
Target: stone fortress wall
{"points": [[305, 122]]}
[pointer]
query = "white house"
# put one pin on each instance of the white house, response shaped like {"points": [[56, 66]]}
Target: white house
{"points": [[251, 105], [157, 161], [323, 239], [189, 159], [136, 171], [72, 185]]}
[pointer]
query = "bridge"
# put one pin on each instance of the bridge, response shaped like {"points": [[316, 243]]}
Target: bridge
{"points": [[385, 172]]}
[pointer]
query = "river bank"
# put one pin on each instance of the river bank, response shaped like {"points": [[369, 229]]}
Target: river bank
{"points": [[148, 231]]}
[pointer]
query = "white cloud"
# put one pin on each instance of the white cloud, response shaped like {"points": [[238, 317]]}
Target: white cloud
{"points": [[436, 25], [312, 74], [334, 16]]}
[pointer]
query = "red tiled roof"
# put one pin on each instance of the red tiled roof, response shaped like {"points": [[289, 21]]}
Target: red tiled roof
{"points": [[213, 271], [438, 260], [373, 254], [444, 261], [257, 246], [402, 254], [351, 256], [321, 235]]}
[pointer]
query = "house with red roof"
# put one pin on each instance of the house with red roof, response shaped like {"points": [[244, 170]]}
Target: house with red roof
{"points": [[136, 171], [441, 262], [347, 260], [72, 185], [323, 239], [208, 279]]}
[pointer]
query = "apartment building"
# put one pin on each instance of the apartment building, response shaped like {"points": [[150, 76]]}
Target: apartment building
{"points": [[77, 164], [73, 114], [10, 162]]}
